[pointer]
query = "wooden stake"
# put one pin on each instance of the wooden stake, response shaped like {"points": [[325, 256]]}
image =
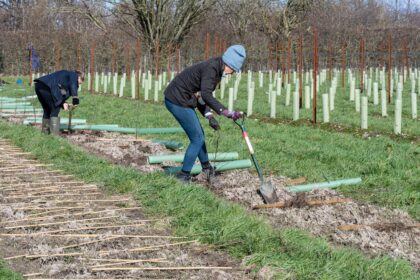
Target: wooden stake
{"points": [[309, 203], [87, 243], [314, 80], [151, 248], [60, 223], [296, 181], [48, 208], [354, 227], [54, 255], [88, 228], [73, 214], [32, 274], [34, 197], [44, 190], [163, 268], [15, 235], [159, 260]]}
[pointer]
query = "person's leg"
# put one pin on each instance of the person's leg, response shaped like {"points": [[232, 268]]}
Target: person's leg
{"points": [[188, 120], [51, 111], [203, 155], [42, 93]]}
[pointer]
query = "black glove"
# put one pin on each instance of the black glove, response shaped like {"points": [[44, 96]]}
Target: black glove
{"points": [[75, 101], [213, 123]]}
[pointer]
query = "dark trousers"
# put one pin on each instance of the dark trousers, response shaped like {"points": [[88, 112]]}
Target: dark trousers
{"points": [[45, 98], [188, 120]]}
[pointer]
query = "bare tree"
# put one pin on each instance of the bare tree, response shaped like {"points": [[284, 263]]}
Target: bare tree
{"points": [[163, 22]]}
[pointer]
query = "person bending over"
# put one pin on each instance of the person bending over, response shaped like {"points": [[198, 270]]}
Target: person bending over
{"points": [[193, 88], [53, 90]]}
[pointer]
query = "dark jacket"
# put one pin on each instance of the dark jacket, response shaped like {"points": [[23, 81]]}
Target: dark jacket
{"points": [[202, 77], [62, 84]]}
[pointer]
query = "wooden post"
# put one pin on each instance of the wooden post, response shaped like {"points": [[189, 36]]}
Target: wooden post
{"points": [[382, 54], [206, 46], [342, 65], [314, 79], [361, 64], [57, 62], [277, 56], [300, 69], [389, 68], [127, 62], [406, 60], [30, 65], [178, 52], [157, 60], [283, 61], [92, 66], [114, 59], [329, 62], [289, 54], [168, 68], [402, 61], [79, 64], [138, 61], [216, 40]]}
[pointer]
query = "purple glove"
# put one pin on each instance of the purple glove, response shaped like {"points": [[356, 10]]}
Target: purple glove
{"points": [[234, 115], [213, 122]]}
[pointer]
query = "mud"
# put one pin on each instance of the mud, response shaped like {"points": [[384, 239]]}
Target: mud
{"points": [[119, 148]]}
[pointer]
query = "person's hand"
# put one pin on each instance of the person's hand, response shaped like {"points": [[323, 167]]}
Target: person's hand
{"points": [[234, 115], [213, 122], [65, 106], [75, 102]]}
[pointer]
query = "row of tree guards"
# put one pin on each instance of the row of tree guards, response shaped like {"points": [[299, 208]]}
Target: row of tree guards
{"points": [[283, 55], [374, 85]]}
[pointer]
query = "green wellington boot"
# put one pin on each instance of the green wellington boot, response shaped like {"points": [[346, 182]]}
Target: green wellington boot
{"points": [[55, 125]]}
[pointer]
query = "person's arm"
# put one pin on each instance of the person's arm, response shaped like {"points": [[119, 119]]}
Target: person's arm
{"points": [[206, 112], [203, 109], [74, 85], [208, 83]]}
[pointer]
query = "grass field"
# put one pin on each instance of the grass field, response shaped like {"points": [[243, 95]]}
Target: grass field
{"points": [[195, 211], [389, 166], [6, 273]]}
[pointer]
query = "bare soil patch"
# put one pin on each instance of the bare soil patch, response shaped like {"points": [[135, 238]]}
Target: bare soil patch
{"points": [[387, 231]]}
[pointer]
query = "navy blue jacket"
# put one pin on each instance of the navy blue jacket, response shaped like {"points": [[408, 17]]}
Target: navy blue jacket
{"points": [[202, 77], [62, 84]]}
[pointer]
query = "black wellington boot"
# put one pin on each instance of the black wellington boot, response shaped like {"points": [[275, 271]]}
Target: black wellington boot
{"points": [[183, 177]]}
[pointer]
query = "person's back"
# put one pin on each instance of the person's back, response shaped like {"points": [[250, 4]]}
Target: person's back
{"points": [[204, 75]]}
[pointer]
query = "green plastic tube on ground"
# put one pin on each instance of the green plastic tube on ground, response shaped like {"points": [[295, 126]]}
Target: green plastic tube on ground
{"points": [[129, 130], [154, 159], [13, 107], [62, 121], [219, 166], [324, 185], [173, 145], [28, 110], [64, 125], [16, 104]]}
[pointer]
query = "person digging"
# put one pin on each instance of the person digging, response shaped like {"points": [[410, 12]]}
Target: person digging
{"points": [[53, 90], [193, 88]]}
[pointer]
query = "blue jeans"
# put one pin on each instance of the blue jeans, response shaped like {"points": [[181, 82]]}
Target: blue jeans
{"points": [[188, 120]]}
